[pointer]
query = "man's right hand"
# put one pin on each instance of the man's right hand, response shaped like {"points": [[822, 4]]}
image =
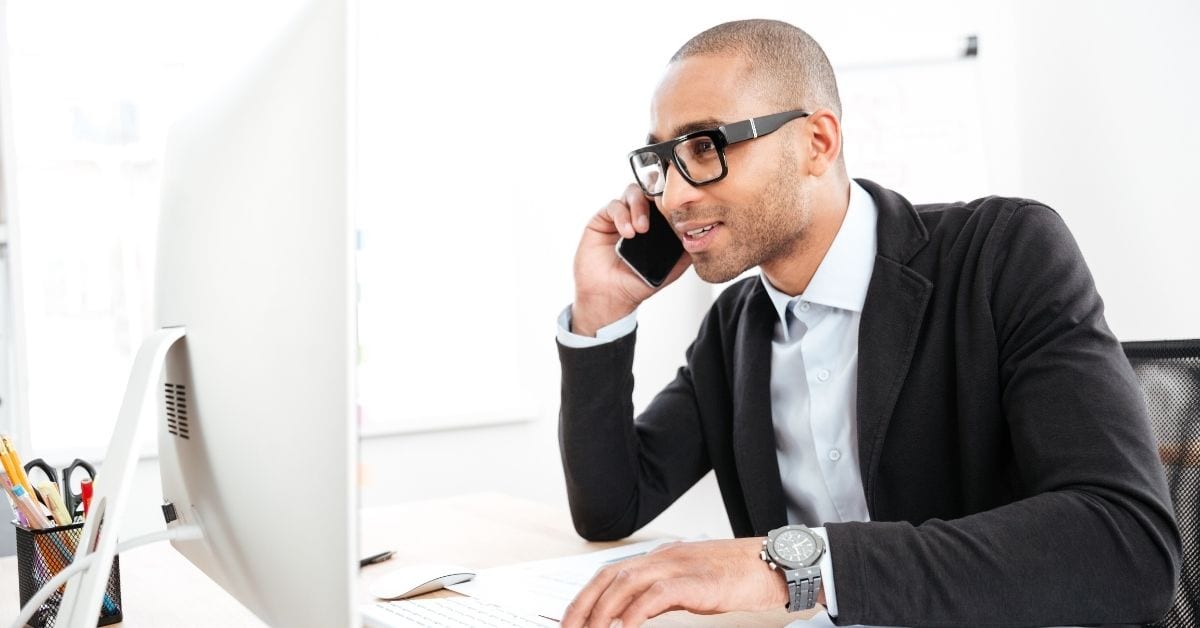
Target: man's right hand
{"points": [[606, 290]]}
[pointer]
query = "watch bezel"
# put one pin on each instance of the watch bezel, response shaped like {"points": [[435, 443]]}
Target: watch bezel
{"points": [[769, 546]]}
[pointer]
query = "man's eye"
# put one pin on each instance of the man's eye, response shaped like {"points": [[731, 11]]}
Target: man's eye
{"points": [[701, 148]]}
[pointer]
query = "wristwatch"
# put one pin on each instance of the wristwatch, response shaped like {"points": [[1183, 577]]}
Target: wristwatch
{"points": [[795, 550]]}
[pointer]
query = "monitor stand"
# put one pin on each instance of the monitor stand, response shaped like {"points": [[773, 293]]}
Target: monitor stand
{"points": [[82, 597]]}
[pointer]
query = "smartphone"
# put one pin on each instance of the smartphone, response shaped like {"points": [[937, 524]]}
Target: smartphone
{"points": [[653, 254]]}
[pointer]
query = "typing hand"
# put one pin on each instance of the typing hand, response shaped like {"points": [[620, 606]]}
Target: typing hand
{"points": [[702, 577]]}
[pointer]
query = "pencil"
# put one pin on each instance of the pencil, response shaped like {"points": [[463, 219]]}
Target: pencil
{"points": [[7, 485], [17, 474]]}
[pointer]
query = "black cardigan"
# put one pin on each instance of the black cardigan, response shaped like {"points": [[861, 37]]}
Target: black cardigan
{"points": [[1008, 463]]}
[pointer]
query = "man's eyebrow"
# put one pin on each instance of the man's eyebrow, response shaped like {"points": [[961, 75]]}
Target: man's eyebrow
{"points": [[691, 127]]}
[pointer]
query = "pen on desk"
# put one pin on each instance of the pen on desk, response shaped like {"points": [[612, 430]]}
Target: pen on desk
{"points": [[376, 558]]}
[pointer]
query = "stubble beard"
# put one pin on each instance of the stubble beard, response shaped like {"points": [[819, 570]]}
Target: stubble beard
{"points": [[778, 227]]}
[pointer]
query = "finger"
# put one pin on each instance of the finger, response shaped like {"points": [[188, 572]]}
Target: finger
{"points": [[618, 213], [603, 222], [581, 607], [663, 596], [639, 207], [629, 583]]}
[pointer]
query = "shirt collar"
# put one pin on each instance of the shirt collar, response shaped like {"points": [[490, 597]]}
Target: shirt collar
{"points": [[842, 277]]}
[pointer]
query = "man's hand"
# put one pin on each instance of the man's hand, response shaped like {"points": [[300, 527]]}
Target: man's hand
{"points": [[702, 577], [605, 289]]}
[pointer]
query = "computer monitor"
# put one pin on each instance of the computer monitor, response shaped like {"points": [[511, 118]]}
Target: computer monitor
{"points": [[257, 431]]}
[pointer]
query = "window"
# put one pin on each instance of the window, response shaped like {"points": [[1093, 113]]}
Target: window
{"points": [[88, 118], [94, 92]]}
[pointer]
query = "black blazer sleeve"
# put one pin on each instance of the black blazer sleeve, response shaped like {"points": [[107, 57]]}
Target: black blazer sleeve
{"points": [[1093, 541], [622, 473]]}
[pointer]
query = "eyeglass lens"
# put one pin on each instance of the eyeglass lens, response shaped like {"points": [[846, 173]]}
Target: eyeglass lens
{"points": [[697, 157], [649, 171]]}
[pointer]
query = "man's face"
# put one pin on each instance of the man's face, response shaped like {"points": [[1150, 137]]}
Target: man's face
{"points": [[760, 211]]}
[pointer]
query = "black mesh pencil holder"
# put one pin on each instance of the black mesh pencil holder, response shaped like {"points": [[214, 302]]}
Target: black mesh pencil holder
{"points": [[41, 554]]}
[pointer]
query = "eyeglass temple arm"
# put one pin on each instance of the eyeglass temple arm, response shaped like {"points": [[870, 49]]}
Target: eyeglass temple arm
{"points": [[740, 131], [757, 127]]}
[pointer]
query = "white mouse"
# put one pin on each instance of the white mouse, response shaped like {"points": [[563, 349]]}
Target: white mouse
{"points": [[413, 580]]}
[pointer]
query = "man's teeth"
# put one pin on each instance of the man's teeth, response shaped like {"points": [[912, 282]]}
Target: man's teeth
{"points": [[696, 232]]}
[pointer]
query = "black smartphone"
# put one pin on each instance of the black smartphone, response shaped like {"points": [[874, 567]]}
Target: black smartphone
{"points": [[653, 254]]}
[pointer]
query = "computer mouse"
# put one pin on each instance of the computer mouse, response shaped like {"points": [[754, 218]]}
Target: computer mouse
{"points": [[413, 580]]}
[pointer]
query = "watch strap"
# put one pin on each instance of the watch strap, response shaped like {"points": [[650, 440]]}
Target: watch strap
{"points": [[803, 586]]}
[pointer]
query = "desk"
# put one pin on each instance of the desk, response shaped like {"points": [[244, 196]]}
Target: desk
{"points": [[161, 588]]}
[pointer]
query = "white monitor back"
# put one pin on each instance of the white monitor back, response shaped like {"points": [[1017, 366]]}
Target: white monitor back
{"points": [[257, 436]]}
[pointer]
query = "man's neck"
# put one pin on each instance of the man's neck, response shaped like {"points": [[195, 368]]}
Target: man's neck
{"points": [[791, 272]]}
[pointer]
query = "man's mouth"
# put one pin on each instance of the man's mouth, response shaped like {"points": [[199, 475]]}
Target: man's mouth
{"points": [[699, 232], [696, 236]]}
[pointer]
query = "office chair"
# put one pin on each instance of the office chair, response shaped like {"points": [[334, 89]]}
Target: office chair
{"points": [[1169, 374]]}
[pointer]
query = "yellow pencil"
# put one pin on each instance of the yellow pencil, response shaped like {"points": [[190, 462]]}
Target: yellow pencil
{"points": [[18, 468], [7, 463]]}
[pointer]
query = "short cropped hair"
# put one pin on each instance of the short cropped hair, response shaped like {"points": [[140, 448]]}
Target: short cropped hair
{"points": [[788, 65]]}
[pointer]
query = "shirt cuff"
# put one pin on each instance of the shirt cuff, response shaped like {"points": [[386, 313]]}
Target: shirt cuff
{"points": [[613, 331], [826, 564]]}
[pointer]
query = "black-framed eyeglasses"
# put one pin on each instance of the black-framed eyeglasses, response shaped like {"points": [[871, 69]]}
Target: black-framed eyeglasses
{"points": [[700, 156]]}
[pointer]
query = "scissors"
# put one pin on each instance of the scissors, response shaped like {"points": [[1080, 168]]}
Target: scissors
{"points": [[75, 471]]}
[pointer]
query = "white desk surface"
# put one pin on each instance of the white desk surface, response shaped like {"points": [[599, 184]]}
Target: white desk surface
{"points": [[160, 588]]}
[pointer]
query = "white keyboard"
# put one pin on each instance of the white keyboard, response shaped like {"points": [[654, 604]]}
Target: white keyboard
{"points": [[454, 612]]}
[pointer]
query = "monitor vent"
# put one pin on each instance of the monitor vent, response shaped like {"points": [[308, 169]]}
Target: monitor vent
{"points": [[175, 407]]}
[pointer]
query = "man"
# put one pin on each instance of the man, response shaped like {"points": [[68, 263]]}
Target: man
{"points": [[932, 389]]}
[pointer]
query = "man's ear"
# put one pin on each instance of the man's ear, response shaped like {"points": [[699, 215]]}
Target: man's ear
{"points": [[824, 141]]}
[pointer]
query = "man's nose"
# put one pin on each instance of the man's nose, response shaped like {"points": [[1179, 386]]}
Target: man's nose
{"points": [[677, 191]]}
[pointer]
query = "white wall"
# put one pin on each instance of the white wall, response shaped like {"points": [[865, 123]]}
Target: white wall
{"points": [[1107, 102], [1087, 106]]}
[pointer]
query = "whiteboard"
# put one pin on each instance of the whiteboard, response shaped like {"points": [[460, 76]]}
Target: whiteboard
{"points": [[916, 128]]}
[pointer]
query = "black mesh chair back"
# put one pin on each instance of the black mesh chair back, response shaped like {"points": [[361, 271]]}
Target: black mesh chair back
{"points": [[1169, 374]]}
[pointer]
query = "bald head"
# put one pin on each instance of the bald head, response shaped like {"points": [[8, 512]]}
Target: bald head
{"points": [[789, 68]]}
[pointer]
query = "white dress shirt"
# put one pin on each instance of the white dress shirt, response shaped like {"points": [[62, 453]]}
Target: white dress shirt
{"points": [[814, 380], [814, 376]]}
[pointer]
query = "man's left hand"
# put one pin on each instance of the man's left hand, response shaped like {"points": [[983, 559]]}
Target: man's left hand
{"points": [[701, 577]]}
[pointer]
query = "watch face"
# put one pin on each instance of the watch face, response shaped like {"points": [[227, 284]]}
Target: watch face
{"points": [[795, 546]]}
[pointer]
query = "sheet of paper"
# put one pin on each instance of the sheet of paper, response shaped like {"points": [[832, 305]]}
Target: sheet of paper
{"points": [[545, 587], [467, 612]]}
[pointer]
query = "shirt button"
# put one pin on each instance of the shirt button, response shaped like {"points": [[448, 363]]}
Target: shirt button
{"points": [[823, 375], [804, 307], [835, 455]]}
